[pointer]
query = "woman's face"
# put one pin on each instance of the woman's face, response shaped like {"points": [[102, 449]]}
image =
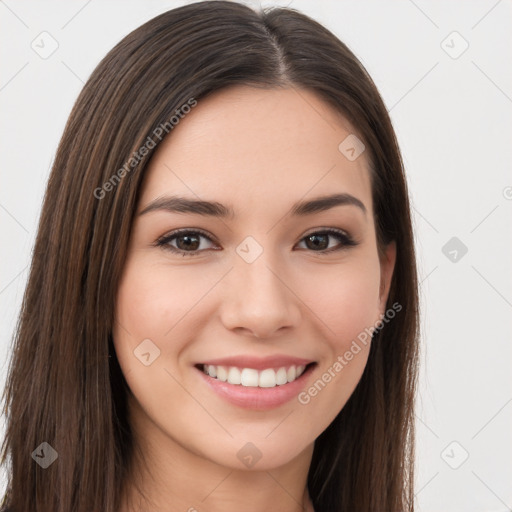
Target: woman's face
{"points": [[254, 285]]}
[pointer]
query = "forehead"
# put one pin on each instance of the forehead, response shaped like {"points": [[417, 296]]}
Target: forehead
{"points": [[249, 147]]}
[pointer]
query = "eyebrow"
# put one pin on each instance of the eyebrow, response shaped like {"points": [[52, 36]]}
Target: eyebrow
{"points": [[176, 204]]}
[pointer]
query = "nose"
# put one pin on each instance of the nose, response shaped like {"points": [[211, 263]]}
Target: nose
{"points": [[258, 300]]}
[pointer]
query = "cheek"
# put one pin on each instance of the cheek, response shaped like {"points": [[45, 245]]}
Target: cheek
{"points": [[347, 300], [347, 304], [152, 300], [152, 304]]}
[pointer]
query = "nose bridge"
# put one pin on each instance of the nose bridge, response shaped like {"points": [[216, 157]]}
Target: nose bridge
{"points": [[257, 296]]}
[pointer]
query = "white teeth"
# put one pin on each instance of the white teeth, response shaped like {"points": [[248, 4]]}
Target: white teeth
{"points": [[267, 379], [234, 376], [281, 377], [222, 373], [249, 377]]}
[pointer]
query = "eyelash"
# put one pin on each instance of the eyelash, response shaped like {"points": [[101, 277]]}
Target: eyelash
{"points": [[345, 238]]}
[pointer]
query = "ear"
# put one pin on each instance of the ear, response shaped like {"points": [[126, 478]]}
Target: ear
{"points": [[387, 266]]}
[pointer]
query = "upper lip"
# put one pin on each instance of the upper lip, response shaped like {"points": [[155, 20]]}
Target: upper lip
{"points": [[259, 363]]}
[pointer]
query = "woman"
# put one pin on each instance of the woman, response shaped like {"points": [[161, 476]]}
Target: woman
{"points": [[222, 307]]}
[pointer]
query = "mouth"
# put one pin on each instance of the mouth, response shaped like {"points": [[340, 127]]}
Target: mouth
{"points": [[251, 377], [258, 390]]}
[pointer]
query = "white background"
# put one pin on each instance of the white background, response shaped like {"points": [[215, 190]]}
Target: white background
{"points": [[453, 121]]}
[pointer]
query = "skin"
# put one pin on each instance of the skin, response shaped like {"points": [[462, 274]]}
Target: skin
{"points": [[257, 151]]}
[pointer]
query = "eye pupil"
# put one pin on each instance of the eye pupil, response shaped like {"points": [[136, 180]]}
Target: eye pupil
{"points": [[188, 245], [314, 239]]}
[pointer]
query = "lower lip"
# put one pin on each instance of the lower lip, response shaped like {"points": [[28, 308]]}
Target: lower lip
{"points": [[256, 398]]}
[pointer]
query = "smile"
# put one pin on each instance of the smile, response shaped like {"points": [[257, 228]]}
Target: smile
{"points": [[250, 377], [265, 388]]}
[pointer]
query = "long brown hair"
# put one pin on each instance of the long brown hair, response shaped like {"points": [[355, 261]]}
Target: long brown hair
{"points": [[65, 386]]}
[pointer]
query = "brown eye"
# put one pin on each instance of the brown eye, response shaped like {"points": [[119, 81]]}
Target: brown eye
{"points": [[319, 241], [187, 242]]}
